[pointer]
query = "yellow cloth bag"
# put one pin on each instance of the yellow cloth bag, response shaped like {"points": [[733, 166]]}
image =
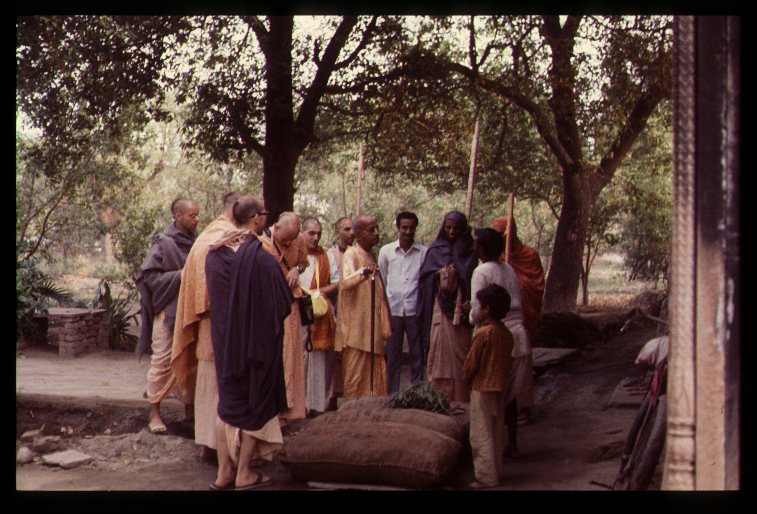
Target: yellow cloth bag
{"points": [[320, 304]]}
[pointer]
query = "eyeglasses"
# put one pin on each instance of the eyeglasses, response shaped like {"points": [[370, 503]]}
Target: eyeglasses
{"points": [[263, 213]]}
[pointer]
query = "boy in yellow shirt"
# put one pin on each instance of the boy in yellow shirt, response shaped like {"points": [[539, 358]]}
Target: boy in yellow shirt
{"points": [[486, 369]]}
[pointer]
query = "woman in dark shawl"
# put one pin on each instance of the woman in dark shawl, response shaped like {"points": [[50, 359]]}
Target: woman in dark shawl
{"points": [[445, 331]]}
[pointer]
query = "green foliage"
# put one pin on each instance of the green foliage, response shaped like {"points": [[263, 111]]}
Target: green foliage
{"points": [[117, 316], [646, 182], [420, 396], [132, 236], [89, 85], [111, 271], [34, 291]]}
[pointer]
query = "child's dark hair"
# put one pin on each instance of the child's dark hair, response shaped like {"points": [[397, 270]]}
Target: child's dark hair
{"points": [[496, 298], [490, 242]]}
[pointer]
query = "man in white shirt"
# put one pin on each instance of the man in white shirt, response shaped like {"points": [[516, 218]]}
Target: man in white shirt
{"points": [[400, 264]]}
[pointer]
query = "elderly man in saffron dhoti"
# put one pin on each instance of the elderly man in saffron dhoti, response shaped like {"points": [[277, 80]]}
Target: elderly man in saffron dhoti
{"points": [[192, 348], [283, 241], [353, 334]]}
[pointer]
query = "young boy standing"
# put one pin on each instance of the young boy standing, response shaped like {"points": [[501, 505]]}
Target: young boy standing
{"points": [[486, 370]]}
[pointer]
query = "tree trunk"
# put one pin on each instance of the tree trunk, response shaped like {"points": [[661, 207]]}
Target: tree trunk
{"points": [[579, 195], [281, 153], [107, 243], [585, 281]]}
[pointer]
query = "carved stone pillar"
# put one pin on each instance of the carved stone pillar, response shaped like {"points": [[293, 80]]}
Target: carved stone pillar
{"points": [[678, 473], [703, 434]]}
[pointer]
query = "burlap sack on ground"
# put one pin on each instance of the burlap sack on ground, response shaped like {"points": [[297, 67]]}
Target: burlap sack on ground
{"points": [[376, 413], [383, 453], [361, 403]]}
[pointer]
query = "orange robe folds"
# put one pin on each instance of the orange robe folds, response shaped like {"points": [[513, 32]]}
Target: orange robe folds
{"points": [[527, 265], [294, 364], [353, 331], [191, 336]]}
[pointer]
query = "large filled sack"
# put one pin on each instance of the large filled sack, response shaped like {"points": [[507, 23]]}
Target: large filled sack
{"points": [[376, 402], [365, 452], [377, 413]]}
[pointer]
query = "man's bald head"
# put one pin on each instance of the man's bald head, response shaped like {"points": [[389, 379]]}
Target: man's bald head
{"points": [[366, 231], [186, 214], [287, 228], [181, 205], [361, 221]]}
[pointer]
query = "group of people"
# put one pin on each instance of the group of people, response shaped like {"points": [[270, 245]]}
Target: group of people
{"points": [[253, 328]]}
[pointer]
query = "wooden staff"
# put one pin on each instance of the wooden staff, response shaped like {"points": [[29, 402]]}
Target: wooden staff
{"points": [[373, 336], [508, 234], [360, 177], [472, 172]]}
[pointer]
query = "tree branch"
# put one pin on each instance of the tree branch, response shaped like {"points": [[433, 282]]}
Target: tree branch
{"points": [[305, 121], [635, 123], [472, 57], [261, 33], [248, 140], [363, 42], [33, 250], [543, 126], [359, 87], [562, 80]]}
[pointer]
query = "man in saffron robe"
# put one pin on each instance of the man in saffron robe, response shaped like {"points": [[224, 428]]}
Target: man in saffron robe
{"points": [[158, 283], [283, 241], [192, 349], [344, 238], [250, 300], [353, 336], [321, 277], [527, 265]]}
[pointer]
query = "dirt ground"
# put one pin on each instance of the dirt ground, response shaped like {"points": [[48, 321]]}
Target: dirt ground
{"points": [[572, 442]]}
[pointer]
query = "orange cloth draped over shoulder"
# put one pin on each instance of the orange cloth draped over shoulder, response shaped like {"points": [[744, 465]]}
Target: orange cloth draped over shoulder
{"points": [[190, 342], [323, 330], [527, 265]]}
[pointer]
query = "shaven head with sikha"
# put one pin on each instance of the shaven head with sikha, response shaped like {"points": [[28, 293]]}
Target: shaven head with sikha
{"points": [[366, 231]]}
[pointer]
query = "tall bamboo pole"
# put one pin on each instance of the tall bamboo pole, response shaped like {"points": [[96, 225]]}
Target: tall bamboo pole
{"points": [[360, 177], [472, 172], [373, 326], [508, 234]]}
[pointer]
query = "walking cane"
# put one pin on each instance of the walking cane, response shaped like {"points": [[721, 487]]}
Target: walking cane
{"points": [[373, 309]]}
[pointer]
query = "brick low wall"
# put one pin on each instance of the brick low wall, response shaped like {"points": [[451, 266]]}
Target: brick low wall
{"points": [[75, 331]]}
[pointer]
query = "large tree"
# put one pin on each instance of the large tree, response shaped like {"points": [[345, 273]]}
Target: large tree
{"points": [[252, 85], [257, 86], [588, 86]]}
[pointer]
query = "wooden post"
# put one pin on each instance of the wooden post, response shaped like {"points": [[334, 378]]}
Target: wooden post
{"points": [[472, 172], [360, 177], [373, 326], [508, 236]]}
